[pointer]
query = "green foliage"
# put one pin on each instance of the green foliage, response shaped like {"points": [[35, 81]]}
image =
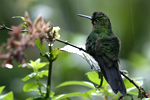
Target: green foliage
{"points": [[36, 74], [83, 83], [7, 96], [29, 87], [21, 17], [24, 24], [66, 96], [102, 92], [40, 46], [55, 53]]}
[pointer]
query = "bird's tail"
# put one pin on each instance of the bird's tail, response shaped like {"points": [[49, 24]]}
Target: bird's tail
{"points": [[112, 76]]}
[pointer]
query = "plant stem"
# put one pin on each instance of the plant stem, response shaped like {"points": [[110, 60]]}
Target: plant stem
{"points": [[49, 73]]}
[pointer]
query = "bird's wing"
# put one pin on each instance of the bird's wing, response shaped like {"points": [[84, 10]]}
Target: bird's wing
{"points": [[106, 54], [109, 50]]}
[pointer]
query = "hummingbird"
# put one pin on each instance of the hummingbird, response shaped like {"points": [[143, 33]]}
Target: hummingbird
{"points": [[104, 47]]}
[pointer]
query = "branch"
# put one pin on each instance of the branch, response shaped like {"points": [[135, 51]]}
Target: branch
{"points": [[65, 42], [2, 27], [142, 92]]}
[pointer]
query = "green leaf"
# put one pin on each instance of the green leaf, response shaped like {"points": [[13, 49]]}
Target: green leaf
{"points": [[91, 61], [63, 96], [40, 46], [23, 19], [146, 99], [135, 92], [40, 84], [46, 55], [87, 84], [130, 86], [31, 98], [52, 94], [25, 25], [33, 64], [93, 76], [37, 61], [92, 92], [42, 73], [41, 65], [8, 96], [55, 52], [29, 87], [1, 89], [29, 76], [39, 98]]}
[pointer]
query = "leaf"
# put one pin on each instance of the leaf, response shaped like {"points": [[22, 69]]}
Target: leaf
{"points": [[46, 55], [87, 84], [146, 99], [39, 98], [37, 64], [37, 61], [41, 65], [133, 92], [29, 86], [29, 76], [55, 52], [8, 96], [42, 73], [130, 86], [63, 96], [31, 98], [92, 93], [1, 89], [40, 84], [23, 19], [93, 76], [91, 61], [25, 25], [40, 46], [32, 64]]}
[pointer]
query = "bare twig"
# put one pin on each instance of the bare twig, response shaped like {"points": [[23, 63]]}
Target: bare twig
{"points": [[65, 42], [2, 27], [142, 92]]}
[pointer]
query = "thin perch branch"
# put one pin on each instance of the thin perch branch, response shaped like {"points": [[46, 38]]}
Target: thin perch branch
{"points": [[65, 42], [4, 27]]}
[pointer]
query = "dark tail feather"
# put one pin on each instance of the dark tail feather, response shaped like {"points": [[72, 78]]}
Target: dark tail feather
{"points": [[112, 76]]}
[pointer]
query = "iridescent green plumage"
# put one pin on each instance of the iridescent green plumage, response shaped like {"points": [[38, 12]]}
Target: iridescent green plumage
{"points": [[104, 46]]}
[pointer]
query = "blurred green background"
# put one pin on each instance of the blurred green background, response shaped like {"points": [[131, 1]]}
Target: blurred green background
{"points": [[130, 22]]}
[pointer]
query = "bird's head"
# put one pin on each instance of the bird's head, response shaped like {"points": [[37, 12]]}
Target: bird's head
{"points": [[99, 19]]}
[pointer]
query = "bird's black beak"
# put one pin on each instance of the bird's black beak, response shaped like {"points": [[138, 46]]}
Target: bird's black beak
{"points": [[89, 17]]}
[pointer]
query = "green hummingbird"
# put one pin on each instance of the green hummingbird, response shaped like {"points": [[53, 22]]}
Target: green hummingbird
{"points": [[104, 47]]}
